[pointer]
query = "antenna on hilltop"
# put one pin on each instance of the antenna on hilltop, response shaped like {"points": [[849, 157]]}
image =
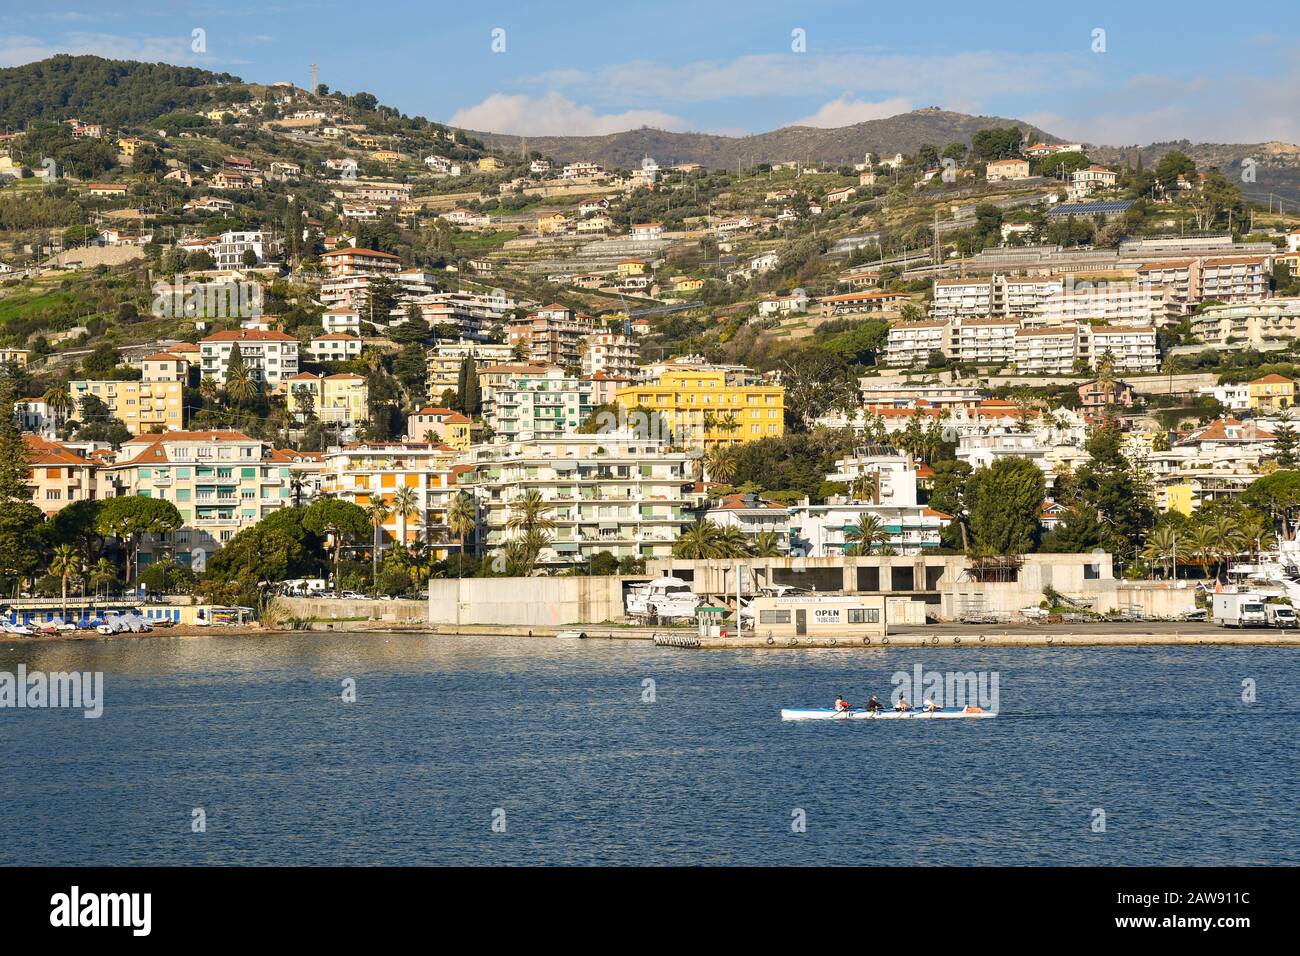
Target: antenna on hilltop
{"points": [[314, 84]]}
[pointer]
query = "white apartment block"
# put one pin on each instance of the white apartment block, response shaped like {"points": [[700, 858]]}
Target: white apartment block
{"points": [[271, 357], [613, 353], [544, 404], [910, 343], [1034, 349], [228, 252], [1231, 279], [1132, 348], [993, 296], [608, 492], [989, 341], [1242, 325], [1047, 351]]}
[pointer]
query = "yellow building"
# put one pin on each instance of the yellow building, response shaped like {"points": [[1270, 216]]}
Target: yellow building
{"points": [[17, 356], [1272, 393], [703, 409], [442, 425], [490, 164], [142, 406], [552, 222], [386, 156], [687, 284], [1179, 497], [631, 267], [343, 398]]}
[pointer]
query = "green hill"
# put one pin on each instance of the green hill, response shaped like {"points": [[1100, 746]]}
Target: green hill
{"points": [[117, 92]]}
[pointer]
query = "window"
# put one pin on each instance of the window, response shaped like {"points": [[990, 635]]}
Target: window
{"points": [[773, 617], [864, 615]]}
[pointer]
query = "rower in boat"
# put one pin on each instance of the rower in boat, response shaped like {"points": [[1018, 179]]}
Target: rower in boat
{"points": [[841, 704], [873, 705], [930, 706], [902, 705]]}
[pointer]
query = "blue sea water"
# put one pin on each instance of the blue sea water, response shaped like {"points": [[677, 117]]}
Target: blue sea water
{"points": [[555, 740]]}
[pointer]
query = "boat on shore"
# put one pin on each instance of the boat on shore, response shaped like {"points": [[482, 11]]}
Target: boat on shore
{"points": [[861, 713]]}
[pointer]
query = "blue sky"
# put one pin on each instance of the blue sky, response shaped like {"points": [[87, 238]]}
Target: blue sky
{"points": [[1165, 70]]}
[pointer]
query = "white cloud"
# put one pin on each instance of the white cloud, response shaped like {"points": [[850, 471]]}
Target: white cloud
{"points": [[1235, 109], [844, 111], [930, 78], [17, 50], [554, 115]]}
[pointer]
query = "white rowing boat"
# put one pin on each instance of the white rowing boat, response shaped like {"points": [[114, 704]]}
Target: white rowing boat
{"points": [[827, 713]]}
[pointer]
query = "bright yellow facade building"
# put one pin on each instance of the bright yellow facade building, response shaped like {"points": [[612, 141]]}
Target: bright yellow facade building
{"points": [[143, 407], [704, 410]]}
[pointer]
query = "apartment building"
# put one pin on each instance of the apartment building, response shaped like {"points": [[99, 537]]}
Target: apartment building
{"points": [[342, 399], [446, 426], [910, 344], [334, 347], [154, 403], [445, 360], [997, 295], [1272, 393], [611, 492], [371, 472], [1246, 325], [339, 263], [1231, 279], [540, 404], [990, 341], [1119, 303], [1046, 351], [554, 334], [612, 353], [706, 410], [341, 319], [58, 475], [271, 357], [1133, 348], [228, 251], [219, 481]]}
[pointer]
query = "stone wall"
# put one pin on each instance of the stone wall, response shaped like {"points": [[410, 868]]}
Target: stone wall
{"points": [[526, 602]]}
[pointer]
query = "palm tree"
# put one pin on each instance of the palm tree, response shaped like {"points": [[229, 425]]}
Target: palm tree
{"points": [[462, 519], [731, 542], [1162, 547], [530, 520], [864, 487], [530, 512], [406, 504], [59, 401], [104, 572], [698, 541], [378, 513], [721, 465], [1201, 544], [241, 387], [209, 390], [1228, 539], [766, 544], [66, 562], [864, 535]]}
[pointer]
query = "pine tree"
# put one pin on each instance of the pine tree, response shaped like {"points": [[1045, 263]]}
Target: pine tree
{"points": [[1285, 443], [473, 400], [15, 462]]}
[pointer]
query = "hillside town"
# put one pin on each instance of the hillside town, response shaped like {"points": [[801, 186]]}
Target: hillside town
{"points": [[285, 334]]}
